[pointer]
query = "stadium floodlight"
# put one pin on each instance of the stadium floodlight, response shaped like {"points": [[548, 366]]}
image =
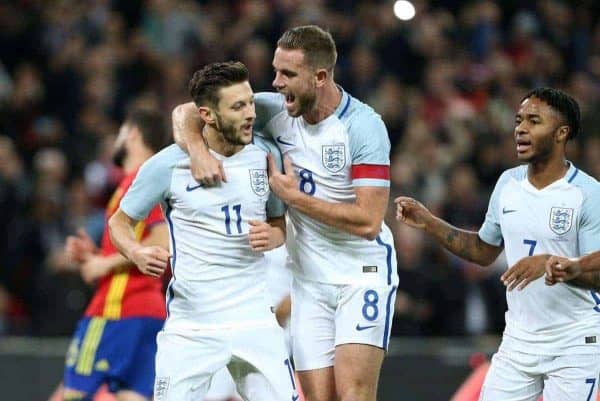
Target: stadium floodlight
{"points": [[404, 10]]}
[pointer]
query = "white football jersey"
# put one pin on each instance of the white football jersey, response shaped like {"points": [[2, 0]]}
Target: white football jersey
{"points": [[348, 149], [561, 219], [218, 280]]}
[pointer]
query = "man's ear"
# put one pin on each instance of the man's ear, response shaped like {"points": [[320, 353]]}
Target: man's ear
{"points": [[563, 133], [207, 115], [321, 76]]}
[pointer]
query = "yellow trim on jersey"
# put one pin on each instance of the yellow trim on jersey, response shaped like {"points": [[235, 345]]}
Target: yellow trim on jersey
{"points": [[89, 346], [114, 295], [139, 230], [118, 283], [113, 203]]}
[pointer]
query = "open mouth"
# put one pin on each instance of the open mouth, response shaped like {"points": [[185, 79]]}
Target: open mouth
{"points": [[289, 99], [523, 145], [247, 127]]}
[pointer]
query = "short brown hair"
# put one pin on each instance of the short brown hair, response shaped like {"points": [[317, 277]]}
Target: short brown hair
{"points": [[317, 44], [153, 127], [205, 83]]}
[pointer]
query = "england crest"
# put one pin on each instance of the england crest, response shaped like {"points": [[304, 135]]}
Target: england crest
{"points": [[259, 181], [334, 157], [561, 219]]}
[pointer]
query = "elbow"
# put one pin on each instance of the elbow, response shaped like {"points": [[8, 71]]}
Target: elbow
{"points": [[486, 260], [370, 232], [111, 225]]}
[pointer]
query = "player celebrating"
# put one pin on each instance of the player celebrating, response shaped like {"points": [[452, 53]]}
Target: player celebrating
{"points": [[218, 308], [552, 336], [345, 265], [115, 340]]}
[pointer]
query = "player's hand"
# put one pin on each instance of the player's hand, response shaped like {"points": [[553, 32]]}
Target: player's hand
{"points": [[207, 170], [260, 236], [93, 268], [285, 186], [560, 269], [150, 260], [525, 271], [78, 246], [412, 212]]}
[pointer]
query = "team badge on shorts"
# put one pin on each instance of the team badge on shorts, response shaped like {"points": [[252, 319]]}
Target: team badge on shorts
{"points": [[561, 219], [334, 157], [259, 181]]}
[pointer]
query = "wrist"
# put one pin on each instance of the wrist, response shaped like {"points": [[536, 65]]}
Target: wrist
{"points": [[431, 224], [578, 265], [133, 251], [293, 197]]}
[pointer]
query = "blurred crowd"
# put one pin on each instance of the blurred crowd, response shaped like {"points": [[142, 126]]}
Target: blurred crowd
{"points": [[447, 84]]}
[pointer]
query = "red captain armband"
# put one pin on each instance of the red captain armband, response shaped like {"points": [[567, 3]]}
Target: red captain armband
{"points": [[372, 171]]}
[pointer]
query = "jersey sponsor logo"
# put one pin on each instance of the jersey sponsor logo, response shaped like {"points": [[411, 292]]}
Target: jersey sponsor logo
{"points": [[506, 211], [361, 328], [561, 219], [334, 157], [191, 188], [369, 269], [259, 181], [282, 141], [590, 340]]}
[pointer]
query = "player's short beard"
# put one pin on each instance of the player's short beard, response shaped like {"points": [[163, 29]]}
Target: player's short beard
{"points": [[543, 150], [306, 102], [229, 131], [119, 156]]}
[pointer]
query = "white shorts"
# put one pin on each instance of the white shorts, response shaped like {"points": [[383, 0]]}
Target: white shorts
{"points": [[327, 315], [222, 387], [515, 376], [186, 363]]}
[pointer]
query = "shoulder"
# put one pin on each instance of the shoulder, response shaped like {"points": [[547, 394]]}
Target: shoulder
{"points": [[361, 121], [518, 173], [269, 99], [264, 144], [268, 106], [355, 112], [589, 186], [165, 159], [514, 175]]}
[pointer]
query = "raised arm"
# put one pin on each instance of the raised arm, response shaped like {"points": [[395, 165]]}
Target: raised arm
{"points": [[187, 132], [463, 243]]}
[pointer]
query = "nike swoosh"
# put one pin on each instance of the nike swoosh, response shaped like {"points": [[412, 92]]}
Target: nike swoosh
{"points": [[189, 188], [505, 210], [281, 141], [361, 328]]}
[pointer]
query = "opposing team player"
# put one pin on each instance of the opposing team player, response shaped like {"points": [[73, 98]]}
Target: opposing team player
{"points": [[218, 307], [337, 189], [115, 341], [552, 336]]}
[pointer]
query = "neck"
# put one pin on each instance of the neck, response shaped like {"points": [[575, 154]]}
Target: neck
{"points": [[543, 173], [328, 99], [135, 159], [217, 142]]}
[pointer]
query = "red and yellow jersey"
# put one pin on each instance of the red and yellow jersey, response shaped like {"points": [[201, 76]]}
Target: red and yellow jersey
{"points": [[127, 292]]}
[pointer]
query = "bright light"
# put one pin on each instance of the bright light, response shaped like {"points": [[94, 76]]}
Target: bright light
{"points": [[404, 10]]}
